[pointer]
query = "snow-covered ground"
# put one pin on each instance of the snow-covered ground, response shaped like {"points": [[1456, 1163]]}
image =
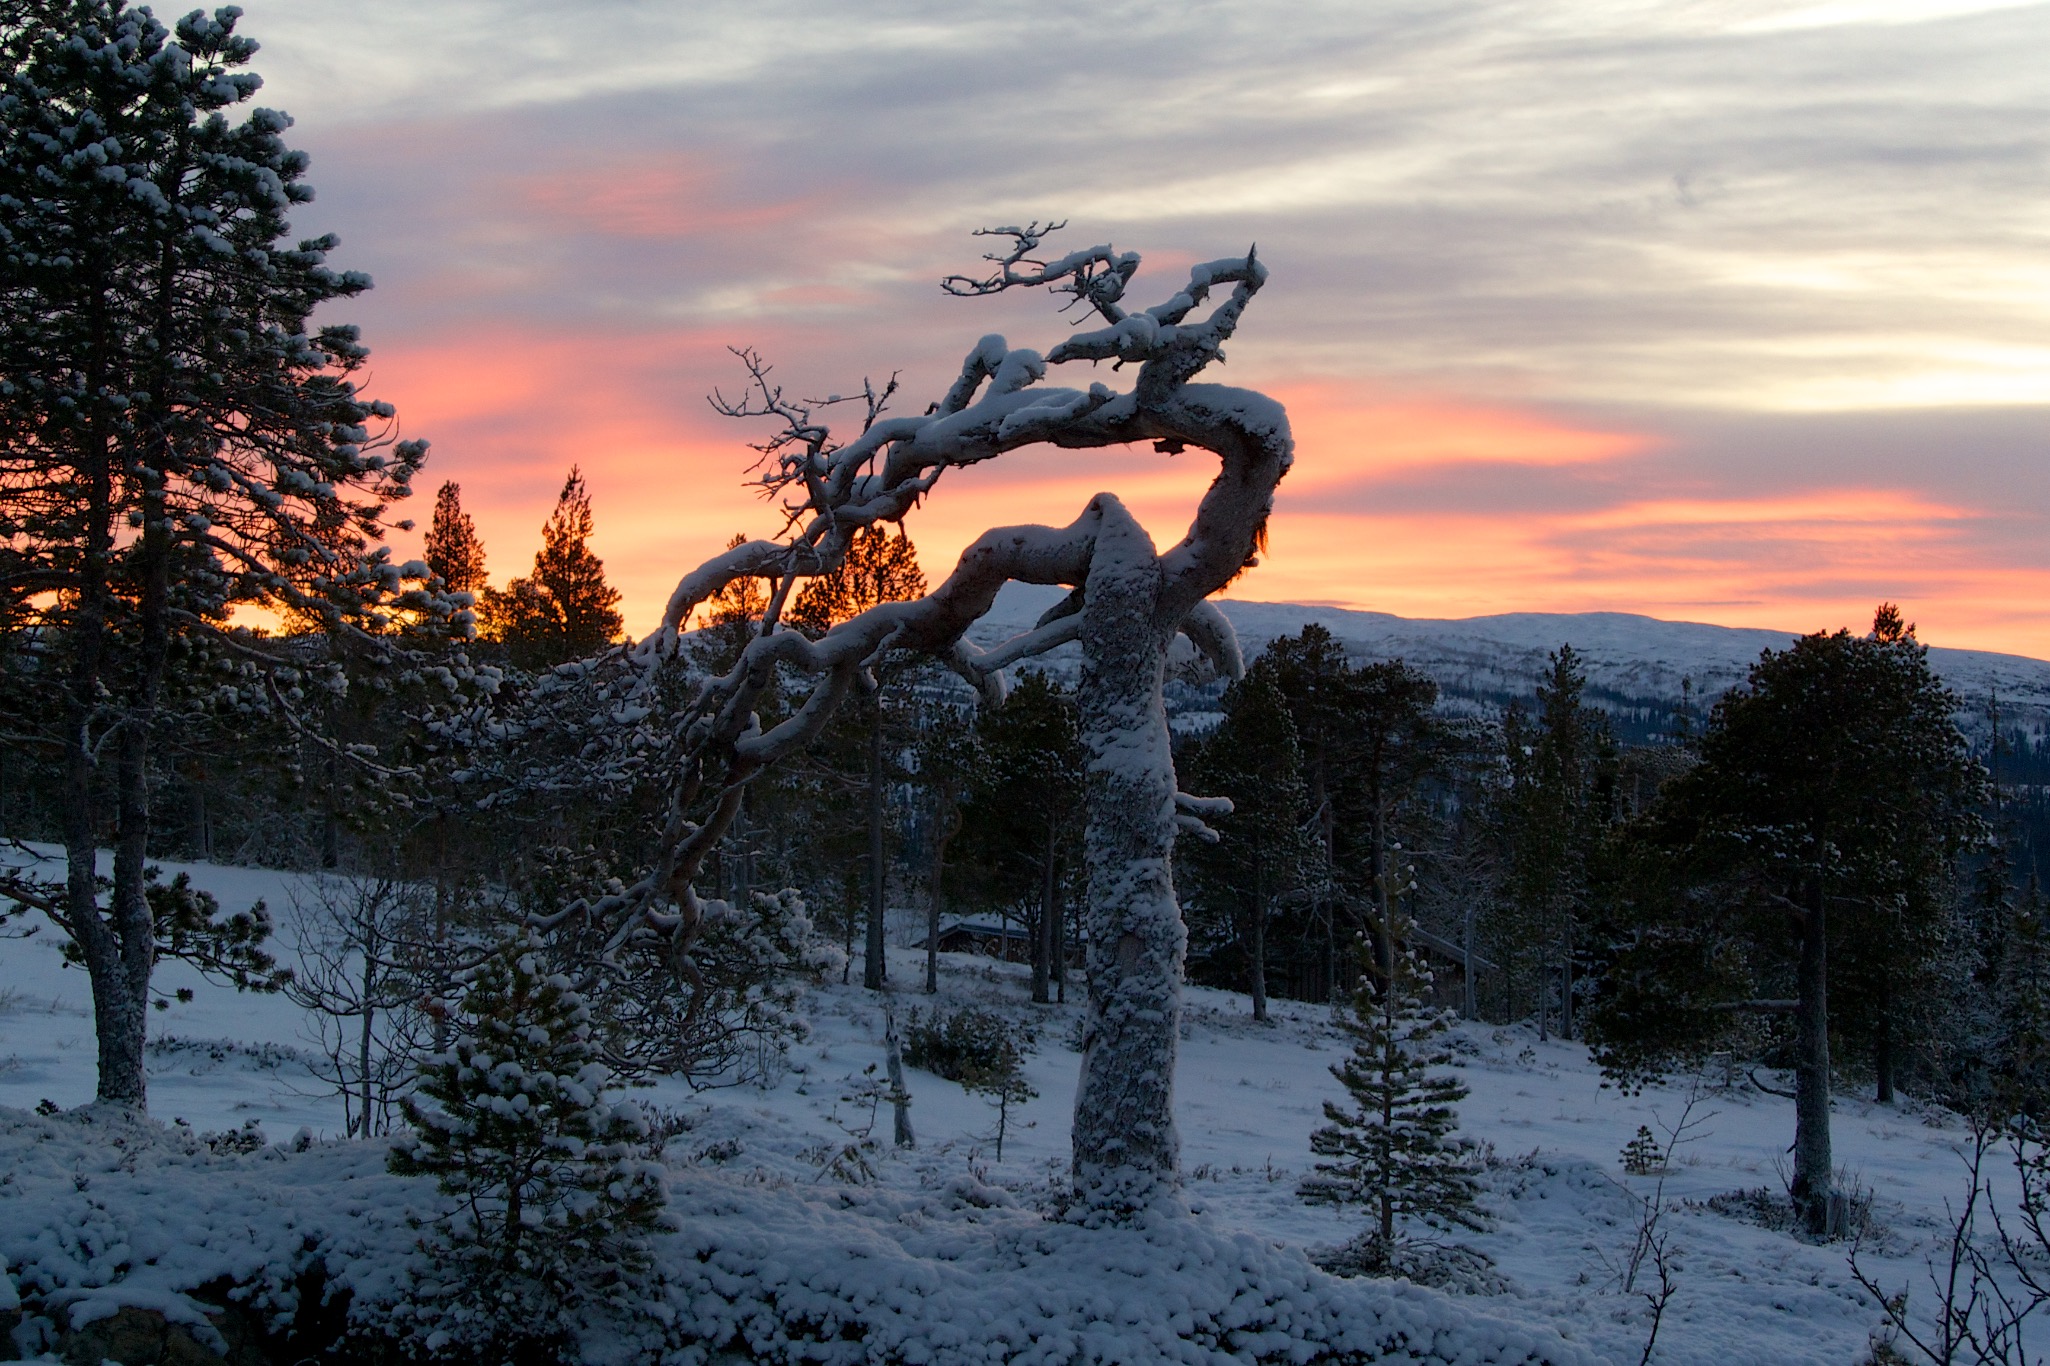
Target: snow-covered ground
{"points": [[753, 1160]]}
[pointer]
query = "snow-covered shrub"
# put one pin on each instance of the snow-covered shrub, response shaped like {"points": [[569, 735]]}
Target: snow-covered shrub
{"points": [[554, 1194], [1395, 1150], [717, 1007], [963, 1044], [981, 1050], [967, 1276]]}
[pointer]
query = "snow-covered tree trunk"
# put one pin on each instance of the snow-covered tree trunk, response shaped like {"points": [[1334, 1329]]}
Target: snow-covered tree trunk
{"points": [[875, 963], [1126, 1150]]}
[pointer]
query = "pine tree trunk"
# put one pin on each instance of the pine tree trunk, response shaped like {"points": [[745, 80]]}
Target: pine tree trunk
{"points": [[1126, 1149], [1332, 995], [1566, 977], [1882, 1048], [874, 970], [1259, 946], [937, 902], [118, 1004], [1060, 952], [122, 1021], [331, 824], [1389, 1080], [1470, 1005], [1813, 1174], [1377, 870], [851, 899], [373, 951], [1047, 932]]}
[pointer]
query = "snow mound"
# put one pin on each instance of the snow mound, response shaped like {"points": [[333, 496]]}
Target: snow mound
{"points": [[965, 1275], [102, 1210]]}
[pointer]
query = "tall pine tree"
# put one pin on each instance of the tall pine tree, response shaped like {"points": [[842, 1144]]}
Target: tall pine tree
{"points": [[1557, 805], [1817, 836], [453, 550], [176, 441]]}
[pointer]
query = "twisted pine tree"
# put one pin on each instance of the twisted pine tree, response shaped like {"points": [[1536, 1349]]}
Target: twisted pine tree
{"points": [[1395, 1150], [554, 1197]]}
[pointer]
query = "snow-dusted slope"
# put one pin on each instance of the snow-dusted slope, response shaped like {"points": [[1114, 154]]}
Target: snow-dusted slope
{"points": [[944, 1239]]}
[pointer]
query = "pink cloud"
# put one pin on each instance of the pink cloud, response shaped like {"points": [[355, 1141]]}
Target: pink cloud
{"points": [[673, 196]]}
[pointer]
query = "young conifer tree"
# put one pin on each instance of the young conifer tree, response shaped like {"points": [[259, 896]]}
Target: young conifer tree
{"points": [[2021, 1052], [554, 1199], [453, 550], [1395, 1150], [565, 610], [880, 567]]}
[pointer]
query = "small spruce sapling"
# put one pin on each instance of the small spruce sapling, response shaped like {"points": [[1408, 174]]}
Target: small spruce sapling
{"points": [[1642, 1155], [1394, 1150], [554, 1194], [1001, 1081]]}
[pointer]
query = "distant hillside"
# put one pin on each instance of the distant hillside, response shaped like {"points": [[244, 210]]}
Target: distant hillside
{"points": [[1634, 664]]}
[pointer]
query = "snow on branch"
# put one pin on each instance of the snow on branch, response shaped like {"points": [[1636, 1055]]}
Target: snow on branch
{"points": [[1189, 813], [1096, 277]]}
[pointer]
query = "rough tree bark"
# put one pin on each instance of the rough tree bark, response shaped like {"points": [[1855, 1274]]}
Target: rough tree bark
{"points": [[875, 966], [1814, 1179], [1259, 943], [1046, 934], [1128, 603]]}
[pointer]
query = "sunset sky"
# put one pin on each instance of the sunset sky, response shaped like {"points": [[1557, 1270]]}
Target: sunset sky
{"points": [[1733, 311]]}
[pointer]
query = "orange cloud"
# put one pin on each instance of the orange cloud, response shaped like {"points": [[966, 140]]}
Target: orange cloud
{"points": [[510, 412], [1344, 430]]}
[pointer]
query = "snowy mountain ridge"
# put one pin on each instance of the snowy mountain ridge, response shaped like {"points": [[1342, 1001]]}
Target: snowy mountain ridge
{"points": [[1635, 664]]}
